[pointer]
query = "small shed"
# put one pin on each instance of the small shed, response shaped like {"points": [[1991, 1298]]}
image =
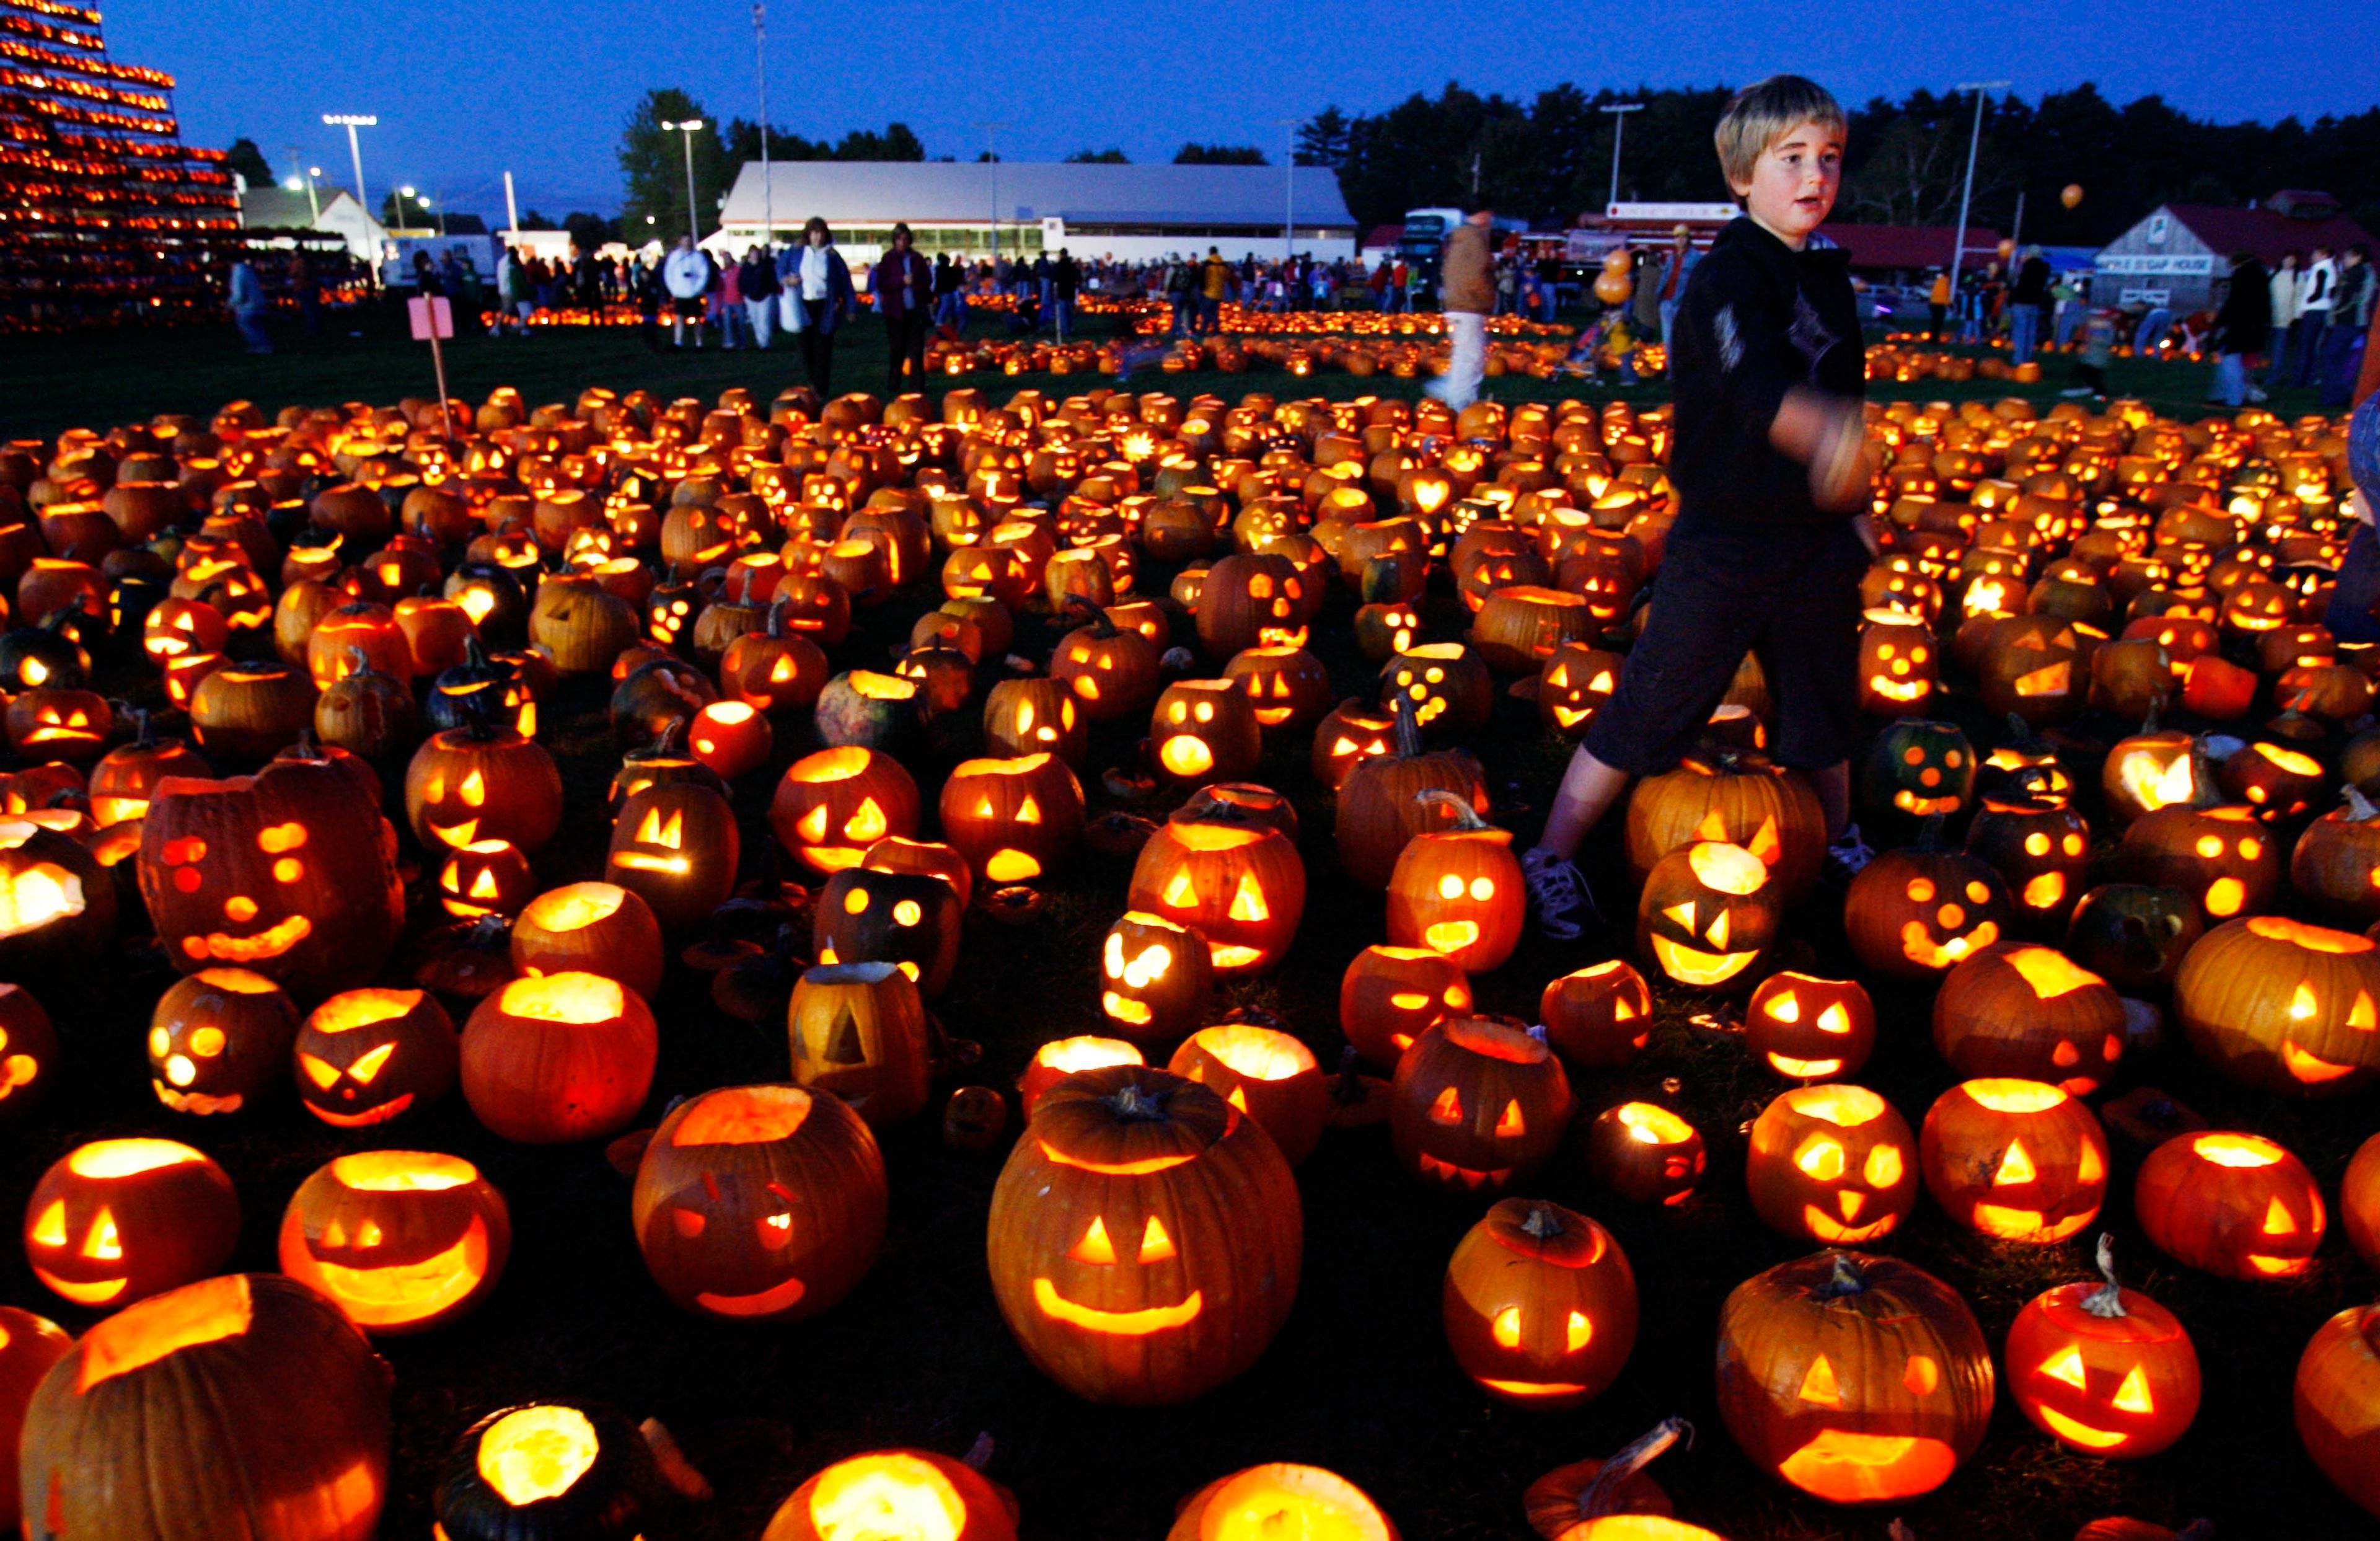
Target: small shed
{"points": [[2179, 253]]}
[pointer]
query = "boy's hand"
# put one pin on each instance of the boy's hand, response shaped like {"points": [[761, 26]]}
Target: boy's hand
{"points": [[1840, 473]]}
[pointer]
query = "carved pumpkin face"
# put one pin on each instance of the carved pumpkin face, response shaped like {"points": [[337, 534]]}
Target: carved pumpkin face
{"points": [[2026, 773], [1449, 685], [1575, 683], [1386, 629], [1897, 663], [833, 805], [1918, 769], [487, 877], [1459, 891], [368, 1055], [1832, 1164], [58, 722], [1239, 883], [759, 1203], [906, 918], [1539, 1305], [401, 1241], [858, 1030], [1914, 913], [218, 1039], [1204, 730], [1858, 1379], [1390, 996], [288, 873], [1706, 913], [2017, 1160], [2283, 1005], [2239, 1205], [2220, 856], [2104, 1369], [1478, 1104], [1156, 978], [1807, 1028], [117, 1219], [1105, 1258], [1646, 1153]]}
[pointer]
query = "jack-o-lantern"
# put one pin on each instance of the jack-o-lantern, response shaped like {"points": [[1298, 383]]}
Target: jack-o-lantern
{"points": [[590, 928], [2041, 853], [116, 1221], [2277, 782], [2027, 1011], [1388, 627], [1539, 1305], [2103, 1369], [1477, 1105], [908, 919], [1226, 874], [57, 904], [2156, 768], [1265, 1073], [547, 1469], [2335, 1400], [1383, 801], [858, 1030], [1646, 1153], [675, 847], [2134, 935], [28, 1052], [289, 873], [731, 737], [487, 877], [2221, 857], [1251, 599], [1914, 769], [1831, 1164], [2020, 1161], [1111, 672], [774, 669], [1350, 733], [759, 1203], [1288, 686], [1738, 798], [55, 722], [1899, 664], [2335, 865], [2236, 1205], [1600, 1018], [558, 1057], [1110, 1253], [402, 1241], [1156, 978], [1060, 1058], [218, 1039], [1521, 626], [1203, 731], [1459, 890], [1920, 911], [1390, 996], [368, 1055], [1448, 684], [831, 807], [1807, 1028], [2034, 666], [258, 1405], [1706, 913], [1014, 820], [1573, 685], [1281, 1498], [2284, 1006], [482, 783], [897, 1495], [1035, 716], [1855, 1378], [125, 777]]}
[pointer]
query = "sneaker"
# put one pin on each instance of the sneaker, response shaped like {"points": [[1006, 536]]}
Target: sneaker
{"points": [[1555, 892], [1848, 854]]}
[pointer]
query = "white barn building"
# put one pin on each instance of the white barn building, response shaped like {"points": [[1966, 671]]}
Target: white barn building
{"points": [[1122, 213]]}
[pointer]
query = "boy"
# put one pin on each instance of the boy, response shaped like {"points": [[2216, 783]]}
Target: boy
{"points": [[1772, 477]]}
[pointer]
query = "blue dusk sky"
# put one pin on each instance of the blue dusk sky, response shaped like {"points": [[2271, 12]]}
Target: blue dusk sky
{"points": [[465, 92]]}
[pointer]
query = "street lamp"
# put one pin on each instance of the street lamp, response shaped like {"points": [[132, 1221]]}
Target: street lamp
{"points": [[689, 128], [1967, 192], [313, 202], [351, 122], [1618, 111]]}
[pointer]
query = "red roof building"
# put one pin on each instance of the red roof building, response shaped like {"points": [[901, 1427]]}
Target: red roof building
{"points": [[2179, 254]]}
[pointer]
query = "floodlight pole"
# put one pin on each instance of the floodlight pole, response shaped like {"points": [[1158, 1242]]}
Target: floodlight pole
{"points": [[1618, 111], [1967, 189], [689, 128], [351, 122], [1289, 194]]}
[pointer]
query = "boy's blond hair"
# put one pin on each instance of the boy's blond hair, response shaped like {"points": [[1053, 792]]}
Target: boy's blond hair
{"points": [[1761, 114]]}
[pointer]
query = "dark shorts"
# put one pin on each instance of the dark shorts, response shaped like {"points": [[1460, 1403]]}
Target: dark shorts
{"points": [[689, 309], [1792, 599]]}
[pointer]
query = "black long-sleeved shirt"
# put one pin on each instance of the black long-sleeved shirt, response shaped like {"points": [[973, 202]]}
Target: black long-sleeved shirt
{"points": [[1757, 318]]}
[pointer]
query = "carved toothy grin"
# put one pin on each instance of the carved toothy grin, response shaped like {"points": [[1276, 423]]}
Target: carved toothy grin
{"points": [[1446, 1172], [271, 943], [1692, 965], [380, 1114]]}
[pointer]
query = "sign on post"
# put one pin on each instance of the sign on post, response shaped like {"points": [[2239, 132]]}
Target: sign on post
{"points": [[432, 317]]}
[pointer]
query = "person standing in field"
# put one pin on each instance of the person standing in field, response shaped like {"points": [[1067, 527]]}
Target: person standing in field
{"points": [[904, 288], [1466, 292], [1773, 474]]}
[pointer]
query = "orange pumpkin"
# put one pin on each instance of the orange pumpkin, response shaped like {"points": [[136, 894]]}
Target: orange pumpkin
{"points": [[1539, 1305]]}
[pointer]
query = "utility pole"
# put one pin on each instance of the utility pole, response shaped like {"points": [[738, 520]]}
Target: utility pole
{"points": [[1618, 111], [1967, 192], [992, 156], [689, 128], [761, 68], [351, 122], [1289, 185]]}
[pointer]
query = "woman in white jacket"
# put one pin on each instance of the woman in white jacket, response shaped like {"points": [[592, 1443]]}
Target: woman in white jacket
{"points": [[2285, 281]]}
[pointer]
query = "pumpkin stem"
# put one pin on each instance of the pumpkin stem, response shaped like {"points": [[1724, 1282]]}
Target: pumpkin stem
{"points": [[475, 653], [1407, 734], [1599, 1496], [2107, 1301], [1134, 1103], [2359, 808], [2021, 731], [1093, 616], [777, 618], [1845, 1278], [1462, 818], [1541, 1222], [979, 1455]]}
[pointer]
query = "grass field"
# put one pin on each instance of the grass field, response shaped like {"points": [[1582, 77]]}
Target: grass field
{"points": [[102, 378], [1359, 1380]]}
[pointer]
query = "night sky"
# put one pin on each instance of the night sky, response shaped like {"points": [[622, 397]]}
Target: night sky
{"points": [[465, 92]]}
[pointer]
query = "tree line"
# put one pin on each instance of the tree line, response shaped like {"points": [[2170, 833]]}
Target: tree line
{"points": [[1549, 158]]}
